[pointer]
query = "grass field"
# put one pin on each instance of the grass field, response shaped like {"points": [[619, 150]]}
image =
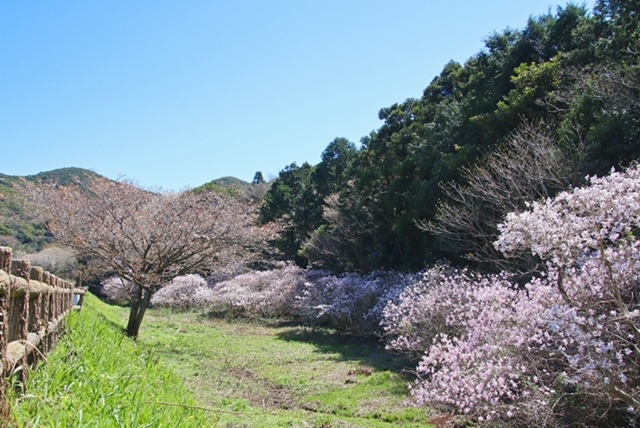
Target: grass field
{"points": [[212, 372]]}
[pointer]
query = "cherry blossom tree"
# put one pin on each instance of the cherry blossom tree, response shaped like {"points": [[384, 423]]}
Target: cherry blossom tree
{"points": [[148, 238]]}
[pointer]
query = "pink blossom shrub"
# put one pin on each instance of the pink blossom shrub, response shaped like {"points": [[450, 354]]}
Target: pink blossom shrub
{"points": [[472, 333], [564, 347], [183, 292], [117, 290], [262, 294], [349, 303], [491, 351], [587, 237], [411, 320]]}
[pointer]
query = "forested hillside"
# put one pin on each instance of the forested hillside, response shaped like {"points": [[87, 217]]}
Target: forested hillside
{"points": [[532, 114]]}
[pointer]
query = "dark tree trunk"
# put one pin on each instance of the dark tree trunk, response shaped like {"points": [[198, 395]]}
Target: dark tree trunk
{"points": [[139, 305], [135, 305]]}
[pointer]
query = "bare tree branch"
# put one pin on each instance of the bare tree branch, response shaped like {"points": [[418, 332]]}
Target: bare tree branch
{"points": [[532, 165]]}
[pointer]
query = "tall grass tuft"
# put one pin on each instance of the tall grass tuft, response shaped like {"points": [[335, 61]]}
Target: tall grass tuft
{"points": [[97, 377]]}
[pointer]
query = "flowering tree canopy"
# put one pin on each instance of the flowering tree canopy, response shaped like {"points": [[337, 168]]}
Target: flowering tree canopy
{"points": [[588, 239], [148, 238]]}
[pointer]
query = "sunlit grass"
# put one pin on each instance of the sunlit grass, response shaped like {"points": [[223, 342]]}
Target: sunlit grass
{"points": [[257, 375], [97, 377]]}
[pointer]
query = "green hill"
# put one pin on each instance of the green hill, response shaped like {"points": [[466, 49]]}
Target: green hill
{"points": [[16, 229], [226, 185], [64, 176]]}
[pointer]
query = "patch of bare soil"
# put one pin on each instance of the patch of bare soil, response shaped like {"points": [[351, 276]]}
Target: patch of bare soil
{"points": [[268, 395]]}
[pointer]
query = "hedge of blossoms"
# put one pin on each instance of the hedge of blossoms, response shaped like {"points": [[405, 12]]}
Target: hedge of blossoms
{"points": [[259, 294], [183, 292], [565, 345], [265, 294], [349, 303]]}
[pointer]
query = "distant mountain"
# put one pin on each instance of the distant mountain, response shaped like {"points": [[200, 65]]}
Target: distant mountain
{"points": [[16, 229], [64, 176]]}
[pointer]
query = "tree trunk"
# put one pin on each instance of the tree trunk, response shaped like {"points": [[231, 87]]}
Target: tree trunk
{"points": [[139, 305], [133, 312], [144, 304]]}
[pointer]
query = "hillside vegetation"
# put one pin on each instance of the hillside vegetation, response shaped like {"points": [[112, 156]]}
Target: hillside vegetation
{"points": [[17, 228], [487, 232], [225, 183]]}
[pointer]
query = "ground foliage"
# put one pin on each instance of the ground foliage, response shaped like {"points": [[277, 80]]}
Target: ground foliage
{"points": [[190, 370], [273, 375]]}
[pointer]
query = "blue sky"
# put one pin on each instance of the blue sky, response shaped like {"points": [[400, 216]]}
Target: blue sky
{"points": [[174, 94]]}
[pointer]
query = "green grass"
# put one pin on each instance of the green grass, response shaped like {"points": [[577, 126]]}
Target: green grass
{"points": [[232, 374], [256, 375], [97, 377]]}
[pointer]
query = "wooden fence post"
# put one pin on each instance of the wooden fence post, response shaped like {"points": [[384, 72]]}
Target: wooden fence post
{"points": [[5, 296], [54, 307], [35, 319], [46, 318], [22, 268], [6, 254], [35, 308]]}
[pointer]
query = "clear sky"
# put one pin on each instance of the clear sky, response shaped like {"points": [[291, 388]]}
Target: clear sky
{"points": [[173, 94]]}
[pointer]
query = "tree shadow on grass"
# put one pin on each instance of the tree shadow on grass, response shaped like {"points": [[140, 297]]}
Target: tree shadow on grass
{"points": [[368, 351], [113, 324]]}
